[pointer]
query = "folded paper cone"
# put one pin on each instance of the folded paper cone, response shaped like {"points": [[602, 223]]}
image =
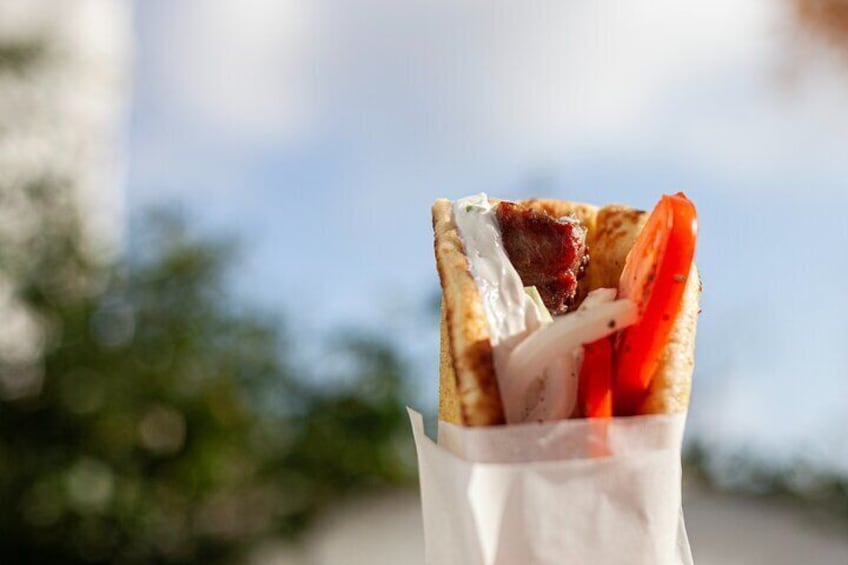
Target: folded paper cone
{"points": [[533, 493]]}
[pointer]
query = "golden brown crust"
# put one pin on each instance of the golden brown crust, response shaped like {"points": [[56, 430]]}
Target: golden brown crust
{"points": [[586, 213], [449, 410], [470, 350], [466, 354], [610, 240]]}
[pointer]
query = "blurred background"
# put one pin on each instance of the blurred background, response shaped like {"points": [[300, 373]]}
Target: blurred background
{"points": [[217, 288]]}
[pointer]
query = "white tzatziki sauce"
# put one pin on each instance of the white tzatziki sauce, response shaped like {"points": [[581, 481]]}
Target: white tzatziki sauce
{"points": [[511, 314]]}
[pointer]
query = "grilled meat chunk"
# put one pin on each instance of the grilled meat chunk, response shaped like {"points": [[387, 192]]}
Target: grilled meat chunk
{"points": [[548, 253]]}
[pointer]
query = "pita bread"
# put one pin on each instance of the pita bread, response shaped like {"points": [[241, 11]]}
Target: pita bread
{"points": [[468, 389]]}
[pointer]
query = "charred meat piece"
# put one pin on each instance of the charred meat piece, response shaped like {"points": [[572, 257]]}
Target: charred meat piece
{"points": [[548, 253]]}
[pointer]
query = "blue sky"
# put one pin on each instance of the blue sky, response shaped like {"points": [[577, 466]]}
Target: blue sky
{"points": [[320, 133]]}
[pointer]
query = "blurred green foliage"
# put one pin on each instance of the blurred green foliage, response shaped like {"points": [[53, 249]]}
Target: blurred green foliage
{"points": [[162, 423], [807, 486], [18, 56], [145, 417]]}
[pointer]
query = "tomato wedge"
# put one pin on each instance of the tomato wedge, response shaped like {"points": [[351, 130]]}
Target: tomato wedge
{"points": [[654, 277], [594, 389]]}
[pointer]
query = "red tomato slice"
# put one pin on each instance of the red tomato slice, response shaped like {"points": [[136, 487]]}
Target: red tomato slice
{"points": [[594, 389], [654, 277]]}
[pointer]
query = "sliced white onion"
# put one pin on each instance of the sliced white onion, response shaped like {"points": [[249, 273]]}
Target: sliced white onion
{"points": [[561, 377], [566, 333], [560, 392], [598, 296]]}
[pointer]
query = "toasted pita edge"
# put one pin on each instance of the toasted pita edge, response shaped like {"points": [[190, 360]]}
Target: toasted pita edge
{"points": [[466, 357], [672, 382]]}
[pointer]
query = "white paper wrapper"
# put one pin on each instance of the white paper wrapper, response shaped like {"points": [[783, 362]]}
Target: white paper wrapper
{"points": [[569, 492]]}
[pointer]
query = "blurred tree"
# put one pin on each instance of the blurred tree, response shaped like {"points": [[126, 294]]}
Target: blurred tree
{"points": [[144, 416], [808, 486], [168, 426]]}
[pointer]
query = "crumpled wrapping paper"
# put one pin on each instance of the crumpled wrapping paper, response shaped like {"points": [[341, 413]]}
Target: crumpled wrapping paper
{"points": [[568, 492]]}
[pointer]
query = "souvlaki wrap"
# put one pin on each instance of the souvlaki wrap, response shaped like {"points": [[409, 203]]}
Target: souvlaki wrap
{"points": [[567, 342]]}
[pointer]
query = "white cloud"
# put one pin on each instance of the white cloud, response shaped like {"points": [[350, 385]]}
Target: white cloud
{"points": [[453, 82], [477, 78], [238, 66]]}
